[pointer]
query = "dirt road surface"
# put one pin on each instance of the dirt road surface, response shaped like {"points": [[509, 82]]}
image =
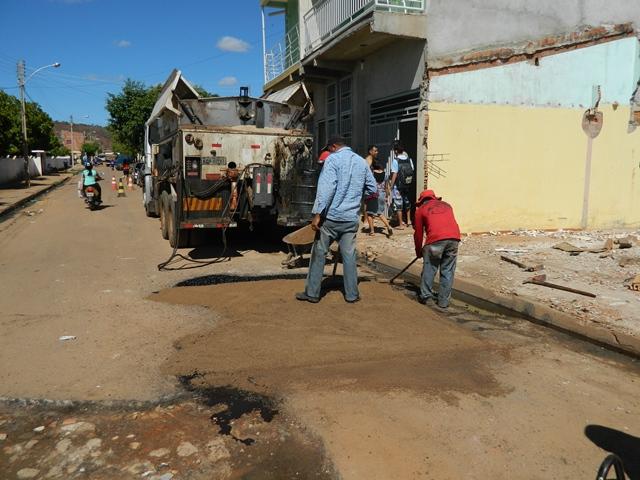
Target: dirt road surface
{"points": [[219, 379]]}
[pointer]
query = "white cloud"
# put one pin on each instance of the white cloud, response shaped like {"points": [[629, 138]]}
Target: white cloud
{"points": [[233, 44], [123, 44], [228, 81]]}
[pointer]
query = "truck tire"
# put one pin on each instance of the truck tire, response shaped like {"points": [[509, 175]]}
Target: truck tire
{"points": [[164, 218], [149, 212], [178, 238]]}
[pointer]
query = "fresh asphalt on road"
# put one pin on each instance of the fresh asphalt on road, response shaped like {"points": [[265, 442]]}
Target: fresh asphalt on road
{"points": [[391, 388]]}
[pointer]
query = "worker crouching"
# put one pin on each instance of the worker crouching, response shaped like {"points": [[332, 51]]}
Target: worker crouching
{"points": [[440, 249]]}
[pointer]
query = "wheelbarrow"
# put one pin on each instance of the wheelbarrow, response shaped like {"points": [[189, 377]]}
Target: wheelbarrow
{"points": [[304, 237], [296, 240]]}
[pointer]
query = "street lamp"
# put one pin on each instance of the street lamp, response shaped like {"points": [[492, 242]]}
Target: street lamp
{"points": [[21, 83]]}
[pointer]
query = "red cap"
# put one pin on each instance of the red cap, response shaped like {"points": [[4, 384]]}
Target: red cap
{"points": [[427, 195], [323, 156]]}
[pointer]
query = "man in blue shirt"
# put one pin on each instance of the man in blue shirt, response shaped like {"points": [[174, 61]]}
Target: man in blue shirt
{"points": [[336, 216]]}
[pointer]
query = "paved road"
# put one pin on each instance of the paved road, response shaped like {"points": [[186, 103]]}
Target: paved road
{"points": [[382, 389]]}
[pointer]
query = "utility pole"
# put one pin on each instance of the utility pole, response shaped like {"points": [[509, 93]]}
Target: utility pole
{"points": [[22, 81], [71, 123], [25, 146]]}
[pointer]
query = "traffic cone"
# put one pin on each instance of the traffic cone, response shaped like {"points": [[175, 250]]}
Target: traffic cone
{"points": [[130, 185], [114, 185], [121, 188]]}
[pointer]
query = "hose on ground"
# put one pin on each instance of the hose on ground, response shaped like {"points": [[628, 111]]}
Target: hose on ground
{"points": [[176, 224]]}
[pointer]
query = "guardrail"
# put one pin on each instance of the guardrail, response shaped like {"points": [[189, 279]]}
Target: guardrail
{"points": [[330, 17], [282, 55]]}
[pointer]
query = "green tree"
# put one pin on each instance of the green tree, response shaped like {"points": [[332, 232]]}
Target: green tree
{"points": [[40, 134], [60, 151], [91, 148], [203, 92], [128, 111], [10, 137]]}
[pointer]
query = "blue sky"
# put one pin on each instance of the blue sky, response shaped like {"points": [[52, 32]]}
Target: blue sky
{"points": [[216, 44]]}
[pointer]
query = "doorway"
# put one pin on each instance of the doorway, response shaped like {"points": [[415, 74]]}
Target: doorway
{"points": [[394, 118]]}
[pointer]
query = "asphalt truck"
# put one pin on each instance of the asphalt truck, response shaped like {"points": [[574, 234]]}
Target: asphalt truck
{"points": [[220, 162]]}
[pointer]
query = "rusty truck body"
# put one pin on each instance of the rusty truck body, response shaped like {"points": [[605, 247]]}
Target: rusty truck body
{"points": [[215, 163]]}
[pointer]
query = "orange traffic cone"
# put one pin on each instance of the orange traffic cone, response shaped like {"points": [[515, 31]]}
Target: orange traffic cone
{"points": [[130, 184], [121, 188], [114, 185]]}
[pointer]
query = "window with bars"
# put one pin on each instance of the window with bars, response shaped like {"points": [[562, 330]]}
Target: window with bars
{"points": [[345, 109], [339, 99]]}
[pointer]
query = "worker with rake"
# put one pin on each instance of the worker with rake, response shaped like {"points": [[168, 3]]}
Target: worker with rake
{"points": [[440, 249]]}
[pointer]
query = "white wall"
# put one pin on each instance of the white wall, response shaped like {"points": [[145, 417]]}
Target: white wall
{"points": [[460, 25], [12, 168], [57, 163]]}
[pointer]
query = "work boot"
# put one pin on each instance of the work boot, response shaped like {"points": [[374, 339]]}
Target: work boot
{"points": [[303, 297], [424, 300]]}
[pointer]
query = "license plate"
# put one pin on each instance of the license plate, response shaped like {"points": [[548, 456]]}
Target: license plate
{"points": [[89, 194]]}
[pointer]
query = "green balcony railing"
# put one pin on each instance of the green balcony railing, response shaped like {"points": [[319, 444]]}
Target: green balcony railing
{"points": [[282, 55]]}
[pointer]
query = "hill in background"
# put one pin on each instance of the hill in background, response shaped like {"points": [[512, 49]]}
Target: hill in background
{"points": [[83, 133]]}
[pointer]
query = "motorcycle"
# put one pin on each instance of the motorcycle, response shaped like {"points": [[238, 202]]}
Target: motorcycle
{"points": [[91, 198]]}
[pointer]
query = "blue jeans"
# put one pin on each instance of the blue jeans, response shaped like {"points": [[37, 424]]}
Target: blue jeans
{"points": [[345, 234], [440, 255]]}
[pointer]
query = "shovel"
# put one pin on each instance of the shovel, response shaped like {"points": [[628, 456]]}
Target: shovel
{"points": [[542, 280], [384, 280]]}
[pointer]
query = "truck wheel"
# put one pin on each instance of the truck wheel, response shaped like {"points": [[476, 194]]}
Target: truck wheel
{"points": [[178, 238], [148, 207], [164, 217]]}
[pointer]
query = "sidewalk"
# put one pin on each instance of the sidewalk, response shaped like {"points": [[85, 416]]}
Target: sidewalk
{"points": [[612, 317], [13, 196]]}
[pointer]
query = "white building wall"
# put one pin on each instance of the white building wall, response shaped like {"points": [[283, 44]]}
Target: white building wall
{"points": [[461, 25]]}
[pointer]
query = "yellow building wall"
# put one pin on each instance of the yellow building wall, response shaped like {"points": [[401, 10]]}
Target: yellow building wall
{"points": [[523, 167], [615, 176]]}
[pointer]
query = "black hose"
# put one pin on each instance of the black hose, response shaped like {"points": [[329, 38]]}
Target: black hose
{"points": [[176, 224], [614, 461], [221, 257]]}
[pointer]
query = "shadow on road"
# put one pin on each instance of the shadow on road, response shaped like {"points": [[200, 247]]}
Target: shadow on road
{"points": [[625, 446], [210, 252], [102, 207], [335, 283]]}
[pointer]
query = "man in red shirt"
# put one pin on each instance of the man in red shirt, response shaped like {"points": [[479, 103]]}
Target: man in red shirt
{"points": [[440, 249]]}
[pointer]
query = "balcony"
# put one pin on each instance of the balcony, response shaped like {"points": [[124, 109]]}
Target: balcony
{"points": [[283, 55], [329, 18]]}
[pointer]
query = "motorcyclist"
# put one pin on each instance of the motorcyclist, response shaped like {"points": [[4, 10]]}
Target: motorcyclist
{"points": [[90, 178]]}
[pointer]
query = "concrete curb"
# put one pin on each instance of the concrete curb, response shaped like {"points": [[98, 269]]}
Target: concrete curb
{"points": [[16, 205], [476, 294]]}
